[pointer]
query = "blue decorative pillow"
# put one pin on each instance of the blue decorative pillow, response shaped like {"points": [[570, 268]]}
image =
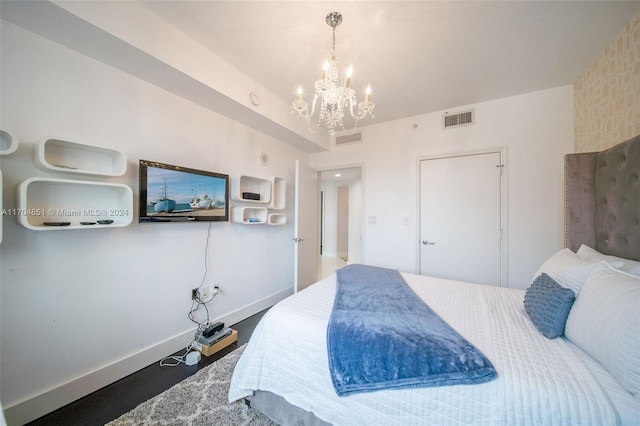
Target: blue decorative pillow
{"points": [[548, 304]]}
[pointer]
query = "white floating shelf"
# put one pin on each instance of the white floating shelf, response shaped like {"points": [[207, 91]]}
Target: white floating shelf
{"points": [[253, 185], [53, 200], [250, 215], [71, 157], [277, 219], [279, 186], [8, 142]]}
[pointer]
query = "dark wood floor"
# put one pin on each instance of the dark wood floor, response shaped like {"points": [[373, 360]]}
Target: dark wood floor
{"points": [[112, 401]]}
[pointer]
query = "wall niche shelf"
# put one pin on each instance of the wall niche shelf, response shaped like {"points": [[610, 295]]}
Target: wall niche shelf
{"points": [[249, 215], [277, 219], [271, 191], [54, 200], [253, 185], [63, 156], [8, 142], [279, 186]]}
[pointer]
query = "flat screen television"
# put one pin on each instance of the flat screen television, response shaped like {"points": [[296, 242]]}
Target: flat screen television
{"points": [[171, 193]]}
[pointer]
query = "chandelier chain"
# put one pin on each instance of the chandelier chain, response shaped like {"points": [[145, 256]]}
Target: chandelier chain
{"points": [[333, 46]]}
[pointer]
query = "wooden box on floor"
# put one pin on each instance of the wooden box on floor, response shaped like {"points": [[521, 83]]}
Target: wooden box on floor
{"points": [[210, 350]]}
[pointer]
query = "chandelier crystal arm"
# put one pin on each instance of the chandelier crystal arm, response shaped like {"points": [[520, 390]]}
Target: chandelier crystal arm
{"points": [[352, 102], [313, 104]]}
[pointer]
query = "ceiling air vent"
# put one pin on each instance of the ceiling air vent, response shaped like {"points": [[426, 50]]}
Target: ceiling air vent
{"points": [[456, 120], [348, 139]]}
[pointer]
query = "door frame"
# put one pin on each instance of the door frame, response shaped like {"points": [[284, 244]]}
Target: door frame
{"points": [[503, 151]]}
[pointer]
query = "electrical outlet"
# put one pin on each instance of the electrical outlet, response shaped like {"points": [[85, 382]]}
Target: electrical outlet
{"points": [[205, 292]]}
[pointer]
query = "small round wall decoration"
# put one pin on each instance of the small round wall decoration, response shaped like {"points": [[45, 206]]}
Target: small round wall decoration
{"points": [[264, 158]]}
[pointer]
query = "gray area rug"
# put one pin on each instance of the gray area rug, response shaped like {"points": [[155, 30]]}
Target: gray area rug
{"points": [[200, 399]]}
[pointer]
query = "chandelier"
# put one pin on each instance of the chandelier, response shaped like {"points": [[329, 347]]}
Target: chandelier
{"points": [[333, 92]]}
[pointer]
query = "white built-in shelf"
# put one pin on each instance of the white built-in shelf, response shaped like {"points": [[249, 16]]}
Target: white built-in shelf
{"points": [[249, 215], [279, 189], [54, 200], [277, 219], [271, 191], [63, 156], [253, 185], [8, 142]]}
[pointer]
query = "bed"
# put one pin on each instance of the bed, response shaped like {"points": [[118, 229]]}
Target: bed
{"points": [[574, 376]]}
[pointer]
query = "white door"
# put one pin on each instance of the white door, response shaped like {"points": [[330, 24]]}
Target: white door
{"points": [[306, 241], [460, 218]]}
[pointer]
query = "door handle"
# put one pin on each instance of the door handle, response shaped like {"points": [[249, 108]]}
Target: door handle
{"points": [[297, 240], [426, 242]]}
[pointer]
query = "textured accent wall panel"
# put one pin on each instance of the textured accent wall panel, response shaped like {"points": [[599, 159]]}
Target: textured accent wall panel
{"points": [[607, 95]]}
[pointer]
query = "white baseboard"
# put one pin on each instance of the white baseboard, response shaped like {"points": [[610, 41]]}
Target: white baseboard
{"points": [[37, 406]]}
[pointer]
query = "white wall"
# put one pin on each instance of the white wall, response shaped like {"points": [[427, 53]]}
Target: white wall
{"points": [[81, 308], [536, 128]]}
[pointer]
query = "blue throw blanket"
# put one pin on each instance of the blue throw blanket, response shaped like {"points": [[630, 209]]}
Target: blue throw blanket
{"points": [[382, 335]]}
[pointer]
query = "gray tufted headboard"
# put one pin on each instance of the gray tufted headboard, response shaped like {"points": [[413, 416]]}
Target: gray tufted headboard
{"points": [[602, 200]]}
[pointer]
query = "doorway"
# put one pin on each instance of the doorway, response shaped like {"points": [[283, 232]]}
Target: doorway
{"points": [[462, 218], [340, 218]]}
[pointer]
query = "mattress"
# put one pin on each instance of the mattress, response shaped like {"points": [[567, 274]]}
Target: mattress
{"points": [[540, 381]]}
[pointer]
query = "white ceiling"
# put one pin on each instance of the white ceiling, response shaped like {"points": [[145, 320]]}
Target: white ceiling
{"points": [[419, 56], [341, 176]]}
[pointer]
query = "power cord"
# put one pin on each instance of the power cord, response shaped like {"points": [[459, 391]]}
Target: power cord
{"points": [[179, 359], [196, 303]]}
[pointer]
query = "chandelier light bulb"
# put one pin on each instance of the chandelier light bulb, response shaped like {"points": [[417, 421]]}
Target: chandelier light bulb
{"points": [[367, 94], [349, 73], [299, 92]]}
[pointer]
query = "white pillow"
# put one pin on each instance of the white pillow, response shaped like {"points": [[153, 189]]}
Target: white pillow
{"points": [[569, 270], [605, 322], [630, 266]]}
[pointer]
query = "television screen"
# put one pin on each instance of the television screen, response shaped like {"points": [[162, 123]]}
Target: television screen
{"points": [[178, 194]]}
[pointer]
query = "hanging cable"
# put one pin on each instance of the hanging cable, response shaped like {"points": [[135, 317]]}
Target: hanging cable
{"points": [[196, 303]]}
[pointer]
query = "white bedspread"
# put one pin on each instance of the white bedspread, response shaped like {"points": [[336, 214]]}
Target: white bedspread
{"points": [[540, 381]]}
